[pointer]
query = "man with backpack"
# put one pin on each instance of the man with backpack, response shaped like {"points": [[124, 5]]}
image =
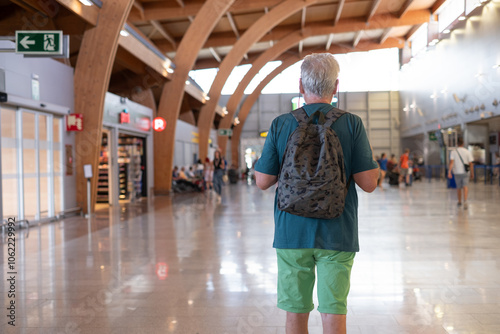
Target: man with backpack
{"points": [[316, 154]]}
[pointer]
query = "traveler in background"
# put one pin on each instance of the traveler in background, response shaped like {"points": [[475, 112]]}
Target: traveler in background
{"points": [[190, 173], [182, 174], [208, 174], [219, 167], [392, 163], [459, 159], [383, 169], [303, 243], [175, 173], [403, 167], [199, 169]]}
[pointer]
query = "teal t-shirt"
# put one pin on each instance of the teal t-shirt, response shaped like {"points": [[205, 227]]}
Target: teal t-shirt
{"points": [[292, 231]]}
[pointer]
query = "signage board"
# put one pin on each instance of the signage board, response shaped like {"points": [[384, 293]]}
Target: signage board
{"points": [[159, 124], [39, 42], [74, 122], [225, 132]]}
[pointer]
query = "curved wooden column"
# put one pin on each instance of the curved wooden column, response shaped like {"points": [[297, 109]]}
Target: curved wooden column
{"points": [[173, 91], [234, 57], [250, 101], [146, 98], [92, 74], [377, 22], [271, 53]]}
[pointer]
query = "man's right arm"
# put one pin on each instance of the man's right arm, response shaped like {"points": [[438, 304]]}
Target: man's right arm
{"points": [[264, 181], [367, 180]]}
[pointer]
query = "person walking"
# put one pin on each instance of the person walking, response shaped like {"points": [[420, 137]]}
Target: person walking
{"points": [[460, 163], [208, 174], [304, 243], [219, 167], [404, 167], [383, 169]]}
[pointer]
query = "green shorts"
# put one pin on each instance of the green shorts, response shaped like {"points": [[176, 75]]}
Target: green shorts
{"points": [[296, 278]]}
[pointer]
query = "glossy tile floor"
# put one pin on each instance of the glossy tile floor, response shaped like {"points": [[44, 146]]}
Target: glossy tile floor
{"points": [[185, 264]]}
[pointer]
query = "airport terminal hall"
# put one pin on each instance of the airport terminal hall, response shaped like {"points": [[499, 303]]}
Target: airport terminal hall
{"points": [[250, 166]]}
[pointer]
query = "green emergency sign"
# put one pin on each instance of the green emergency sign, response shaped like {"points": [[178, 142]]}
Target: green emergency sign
{"points": [[225, 132], [39, 42]]}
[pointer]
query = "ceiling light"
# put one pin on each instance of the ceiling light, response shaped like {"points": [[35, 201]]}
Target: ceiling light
{"points": [[86, 2], [446, 31], [124, 33], [170, 70], [187, 82], [462, 18]]}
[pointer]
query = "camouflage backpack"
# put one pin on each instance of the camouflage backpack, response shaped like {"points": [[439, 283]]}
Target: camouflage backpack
{"points": [[312, 181]]}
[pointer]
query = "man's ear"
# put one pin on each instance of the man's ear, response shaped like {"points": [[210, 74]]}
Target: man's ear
{"points": [[336, 87], [301, 88]]}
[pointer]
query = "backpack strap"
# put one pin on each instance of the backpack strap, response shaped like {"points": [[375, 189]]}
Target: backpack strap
{"points": [[333, 115], [300, 115]]}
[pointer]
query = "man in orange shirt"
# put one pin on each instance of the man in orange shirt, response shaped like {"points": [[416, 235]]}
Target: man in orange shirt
{"points": [[404, 167]]}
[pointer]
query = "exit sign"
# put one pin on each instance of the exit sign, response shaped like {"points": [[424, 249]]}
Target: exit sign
{"points": [[39, 42], [225, 132]]}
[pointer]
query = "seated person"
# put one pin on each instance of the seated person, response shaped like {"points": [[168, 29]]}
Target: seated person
{"points": [[175, 173], [183, 184], [190, 173], [182, 174]]}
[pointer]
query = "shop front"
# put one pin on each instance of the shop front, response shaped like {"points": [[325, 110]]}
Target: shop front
{"points": [[126, 157]]}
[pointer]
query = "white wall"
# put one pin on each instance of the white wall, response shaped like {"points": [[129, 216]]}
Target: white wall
{"points": [[458, 73], [378, 110], [186, 144], [56, 87]]}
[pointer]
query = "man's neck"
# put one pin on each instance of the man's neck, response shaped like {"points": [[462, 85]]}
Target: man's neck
{"points": [[310, 99]]}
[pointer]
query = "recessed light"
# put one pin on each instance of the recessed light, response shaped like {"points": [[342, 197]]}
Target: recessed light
{"points": [[446, 31], [124, 33], [86, 2], [462, 18]]}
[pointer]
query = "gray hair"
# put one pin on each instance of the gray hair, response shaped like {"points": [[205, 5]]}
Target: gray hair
{"points": [[319, 73]]}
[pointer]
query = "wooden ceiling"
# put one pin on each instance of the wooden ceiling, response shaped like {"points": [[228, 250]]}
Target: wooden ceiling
{"points": [[323, 24]]}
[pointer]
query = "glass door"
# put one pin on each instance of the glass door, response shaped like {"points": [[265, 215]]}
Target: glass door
{"points": [[31, 164]]}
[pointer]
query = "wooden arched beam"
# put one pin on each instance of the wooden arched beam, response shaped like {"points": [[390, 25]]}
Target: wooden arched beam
{"points": [[234, 57], [250, 100], [173, 91], [91, 81], [379, 22], [146, 98]]}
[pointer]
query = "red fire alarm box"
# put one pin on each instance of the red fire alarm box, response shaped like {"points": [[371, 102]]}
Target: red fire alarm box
{"points": [[74, 122], [124, 117]]}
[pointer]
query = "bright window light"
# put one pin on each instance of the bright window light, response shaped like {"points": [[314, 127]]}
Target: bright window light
{"points": [[263, 73], [376, 70], [450, 12], [234, 79]]}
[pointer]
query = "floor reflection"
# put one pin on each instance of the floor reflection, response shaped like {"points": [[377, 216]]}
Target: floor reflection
{"points": [[185, 264]]}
